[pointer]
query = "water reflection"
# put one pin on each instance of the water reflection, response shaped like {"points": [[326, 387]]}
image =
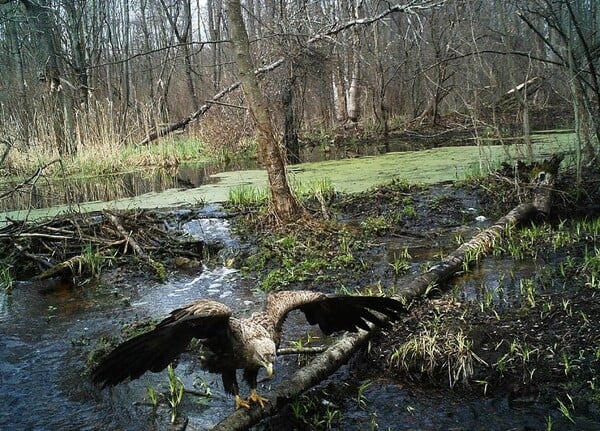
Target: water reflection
{"points": [[48, 193], [73, 191], [102, 188]]}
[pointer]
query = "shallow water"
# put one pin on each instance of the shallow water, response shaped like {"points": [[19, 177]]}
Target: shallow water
{"points": [[349, 168], [46, 333]]}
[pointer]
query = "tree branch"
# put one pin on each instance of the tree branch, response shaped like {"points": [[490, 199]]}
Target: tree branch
{"points": [[338, 354], [29, 181], [412, 7], [204, 108]]}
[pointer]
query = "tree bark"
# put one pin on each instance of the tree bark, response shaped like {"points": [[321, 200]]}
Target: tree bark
{"points": [[291, 143], [40, 14], [285, 205], [338, 354]]}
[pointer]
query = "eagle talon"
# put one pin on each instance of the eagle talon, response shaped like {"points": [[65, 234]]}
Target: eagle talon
{"points": [[239, 403], [255, 397]]}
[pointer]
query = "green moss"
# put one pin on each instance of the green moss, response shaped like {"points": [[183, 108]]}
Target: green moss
{"points": [[375, 225]]}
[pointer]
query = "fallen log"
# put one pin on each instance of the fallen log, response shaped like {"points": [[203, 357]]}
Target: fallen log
{"points": [[73, 266], [338, 354], [306, 377]]}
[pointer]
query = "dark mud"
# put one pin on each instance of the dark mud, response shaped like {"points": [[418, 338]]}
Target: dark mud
{"points": [[530, 356], [527, 316]]}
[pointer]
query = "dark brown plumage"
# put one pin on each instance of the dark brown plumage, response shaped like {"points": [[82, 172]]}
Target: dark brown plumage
{"points": [[230, 343]]}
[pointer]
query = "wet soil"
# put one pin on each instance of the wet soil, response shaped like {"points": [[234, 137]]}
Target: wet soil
{"points": [[529, 358], [532, 356]]}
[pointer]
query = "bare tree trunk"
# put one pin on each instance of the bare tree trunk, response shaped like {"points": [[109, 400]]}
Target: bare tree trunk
{"points": [[24, 113], [187, 39], [285, 205], [75, 22], [339, 96], [290, 122], [149, 75], [40, 15], [214, 8], [184, 38], [125, 71], [353, 91], [380, 109], [355, 69]]}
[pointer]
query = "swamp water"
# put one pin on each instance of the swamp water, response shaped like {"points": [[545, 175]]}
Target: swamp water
{"points": [[194, 183], [46, 334]]}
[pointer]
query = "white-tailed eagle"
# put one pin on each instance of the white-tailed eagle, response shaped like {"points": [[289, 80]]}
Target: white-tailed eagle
{"points": [[230, 343]]}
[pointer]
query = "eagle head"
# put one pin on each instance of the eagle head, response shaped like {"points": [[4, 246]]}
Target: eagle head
{"points": [[264, 354]]}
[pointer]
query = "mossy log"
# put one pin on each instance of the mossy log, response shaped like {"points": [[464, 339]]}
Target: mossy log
{"points": [[73, 266], [338, 354]]}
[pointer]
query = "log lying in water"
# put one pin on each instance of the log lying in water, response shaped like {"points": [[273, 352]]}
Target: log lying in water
{"points": [[338, 354]]}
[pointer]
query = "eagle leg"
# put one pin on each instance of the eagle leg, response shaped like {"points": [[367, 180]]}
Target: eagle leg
{"points": [[256, 398], [240, 402]]}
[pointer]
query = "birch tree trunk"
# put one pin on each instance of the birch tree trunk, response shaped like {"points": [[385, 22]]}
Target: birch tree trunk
{"points": [[339, 96], [355, 71], [285, 205]]}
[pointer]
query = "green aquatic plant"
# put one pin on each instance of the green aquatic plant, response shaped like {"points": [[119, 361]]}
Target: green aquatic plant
{"points": [[431, 352], [153, 395], [175, 394], [93, 261], [361, 398], [309, 413], [528, 292], [7, 280], [319, 188], [377, 225], [245, 195], [401, 262], [566, 412]]}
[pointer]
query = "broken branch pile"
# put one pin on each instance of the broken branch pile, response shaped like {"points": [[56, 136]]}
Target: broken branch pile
{"points": [[79, 245]]}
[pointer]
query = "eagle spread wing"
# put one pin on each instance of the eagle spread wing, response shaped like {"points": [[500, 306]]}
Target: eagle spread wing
{"points": [[333, 312], [231, 343], [154, 350]]}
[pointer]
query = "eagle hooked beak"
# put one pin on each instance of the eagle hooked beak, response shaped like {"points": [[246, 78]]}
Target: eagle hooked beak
{"points": [[269, 367]]}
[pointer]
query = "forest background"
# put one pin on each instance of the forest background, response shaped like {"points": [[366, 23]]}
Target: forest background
{"points": [[87, 78]]}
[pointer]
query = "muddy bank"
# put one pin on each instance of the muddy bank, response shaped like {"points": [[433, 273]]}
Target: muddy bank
{"points": [[516, 331], [512, 341]]}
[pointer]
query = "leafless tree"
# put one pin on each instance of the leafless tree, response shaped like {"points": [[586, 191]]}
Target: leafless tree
{"points": [[129, 70], [285, 205], [569, 30]]}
